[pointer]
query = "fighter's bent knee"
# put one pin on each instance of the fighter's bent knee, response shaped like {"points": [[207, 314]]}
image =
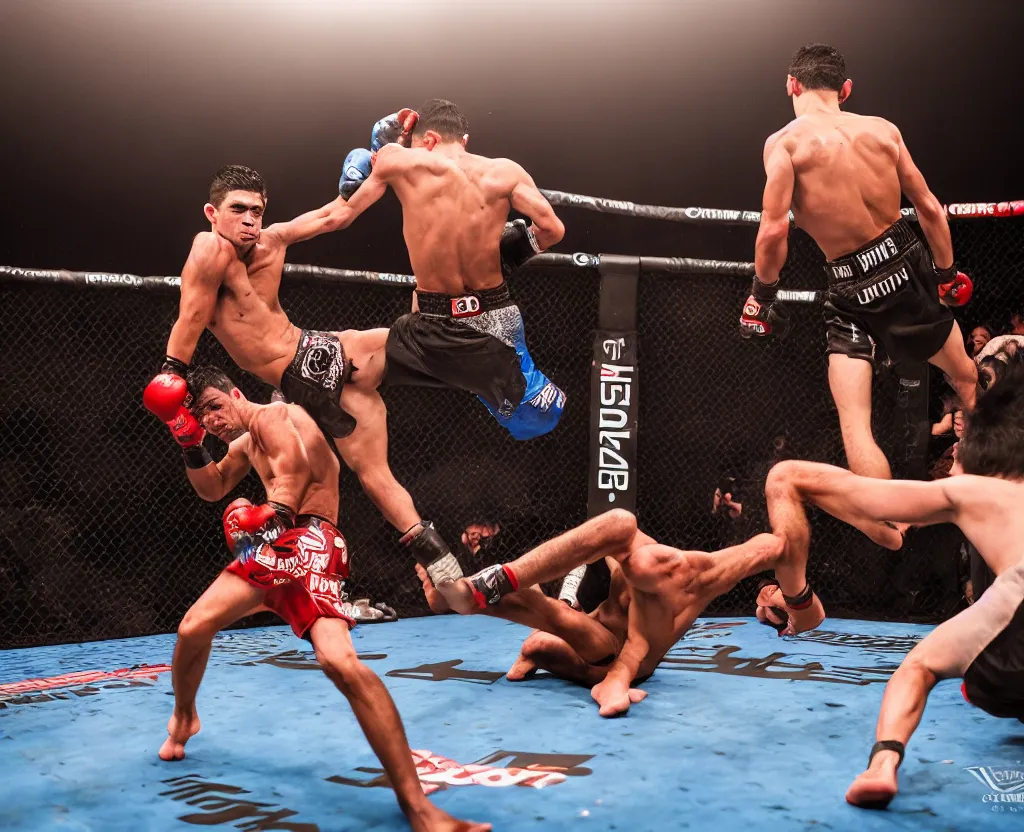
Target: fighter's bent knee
{"points": [[342, 666], [195, 627], [784, 477], [617, 524]]}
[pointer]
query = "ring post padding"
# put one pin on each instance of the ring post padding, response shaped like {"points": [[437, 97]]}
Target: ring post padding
{"points": [[614, 395]]}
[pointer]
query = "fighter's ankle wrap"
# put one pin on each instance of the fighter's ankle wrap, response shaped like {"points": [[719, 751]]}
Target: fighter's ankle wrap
{"points": [[569, 593], [801, 601], [431, 552], [492, 584], [197, 456], [764, 292], [888, 745]]}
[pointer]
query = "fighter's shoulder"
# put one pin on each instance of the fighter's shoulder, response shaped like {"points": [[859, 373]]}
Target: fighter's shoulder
{"points": [[785, 138], [208, 244], [969, 488], [211, 253], [242, 446]]}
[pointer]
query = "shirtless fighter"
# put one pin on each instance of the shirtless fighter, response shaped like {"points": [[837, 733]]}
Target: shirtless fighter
{"points": [[984, 644], [842, 175], [290, 558], [656, 594], [466, 331], [230, 285]]}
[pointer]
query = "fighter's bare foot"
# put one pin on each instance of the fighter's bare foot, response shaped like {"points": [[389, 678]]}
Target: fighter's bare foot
{"points": [[180, 729], [614, 698], [874, 789], [435, 600], [433, 819], [522, 669]]}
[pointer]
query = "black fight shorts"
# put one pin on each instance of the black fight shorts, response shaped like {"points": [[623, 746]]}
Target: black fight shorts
{"points": [[314, 380], [453, 342], [994, 681], [882, 300]]}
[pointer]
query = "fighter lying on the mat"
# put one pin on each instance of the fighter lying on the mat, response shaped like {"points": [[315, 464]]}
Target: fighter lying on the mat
{"points": [[984, 644], [662, 592]]}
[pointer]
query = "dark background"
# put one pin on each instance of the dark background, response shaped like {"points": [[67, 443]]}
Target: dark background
{"points": [[117, 113]]}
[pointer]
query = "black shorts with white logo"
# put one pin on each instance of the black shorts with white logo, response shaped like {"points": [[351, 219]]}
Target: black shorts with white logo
{"points": [[314, 380], [882, 300]]}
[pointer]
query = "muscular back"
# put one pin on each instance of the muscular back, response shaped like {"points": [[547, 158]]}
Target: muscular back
{"points": [[454, 208], [321, 493], [846, 190]]}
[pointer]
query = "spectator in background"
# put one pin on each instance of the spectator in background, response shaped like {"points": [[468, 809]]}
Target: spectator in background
{"points": [[1007, 344], [726, 502], [978, 338], [944, 466], [1017, 321], [478, 536], [950, 404]]}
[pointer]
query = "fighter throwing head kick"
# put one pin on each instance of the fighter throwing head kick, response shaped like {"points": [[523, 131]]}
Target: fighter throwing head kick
{"points": [[466, 331], [230, 285], [290, 558], [842, 175], [984, 644]]}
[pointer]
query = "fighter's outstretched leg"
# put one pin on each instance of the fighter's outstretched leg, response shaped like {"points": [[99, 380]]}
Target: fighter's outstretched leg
{"points": [[608, 535], [377, 715]]}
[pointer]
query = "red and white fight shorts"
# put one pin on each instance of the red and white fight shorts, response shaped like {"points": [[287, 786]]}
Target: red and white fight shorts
{"points": [[302, 571]]}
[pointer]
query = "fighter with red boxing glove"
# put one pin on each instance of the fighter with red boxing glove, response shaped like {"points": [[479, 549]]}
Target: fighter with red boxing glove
{"points": [[955, 287], [289, 558], [166, 397], [841, 178]]}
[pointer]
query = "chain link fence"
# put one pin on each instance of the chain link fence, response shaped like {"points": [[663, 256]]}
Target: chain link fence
{"points": [[101, 535]]}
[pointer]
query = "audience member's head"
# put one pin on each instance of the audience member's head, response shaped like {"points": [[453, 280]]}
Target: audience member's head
{"points": [[977, 339]]}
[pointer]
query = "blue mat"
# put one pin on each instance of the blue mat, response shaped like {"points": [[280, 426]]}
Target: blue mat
{"points": [[741, 731]]}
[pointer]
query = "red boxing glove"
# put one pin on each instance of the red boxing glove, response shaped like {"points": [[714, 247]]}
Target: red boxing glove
{"points": [[955, 292], [165, 395], [185, 429], [242, 520]]}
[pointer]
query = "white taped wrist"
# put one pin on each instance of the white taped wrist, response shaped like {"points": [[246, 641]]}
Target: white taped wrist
{"points": [[444, 570]]}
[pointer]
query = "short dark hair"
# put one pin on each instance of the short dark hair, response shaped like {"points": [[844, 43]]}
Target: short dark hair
{"points": [[444, 118], [819, 67], [235, 178], [201, 378], [993, 440]]}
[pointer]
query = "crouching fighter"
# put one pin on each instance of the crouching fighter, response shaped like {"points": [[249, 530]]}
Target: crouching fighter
{"points": [[290, 558], [663, 592], [984, 644]]}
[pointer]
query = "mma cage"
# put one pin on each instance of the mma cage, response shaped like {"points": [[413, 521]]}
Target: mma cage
{"points": [[101, 535]]}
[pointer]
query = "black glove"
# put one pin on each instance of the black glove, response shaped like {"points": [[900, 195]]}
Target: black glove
{"points": [[762, 316], [518, 244]]}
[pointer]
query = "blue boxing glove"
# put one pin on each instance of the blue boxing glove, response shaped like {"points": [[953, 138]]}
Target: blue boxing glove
{"points": [[394, 129], [354, 172]]}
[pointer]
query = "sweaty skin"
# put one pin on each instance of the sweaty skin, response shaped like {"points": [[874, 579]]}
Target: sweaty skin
{"points": [[454, 208], [842, 175]]}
